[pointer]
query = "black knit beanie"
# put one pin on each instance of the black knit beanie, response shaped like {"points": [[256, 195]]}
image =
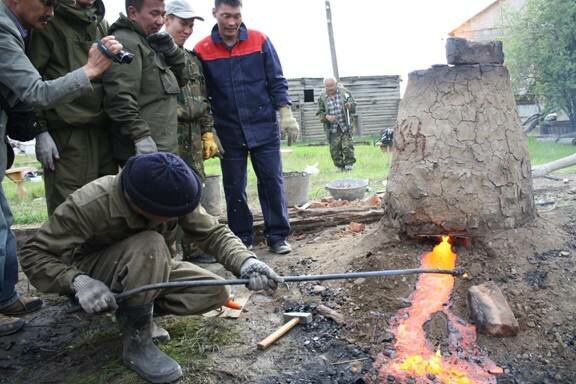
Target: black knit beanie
{"points": [[162, 184]]}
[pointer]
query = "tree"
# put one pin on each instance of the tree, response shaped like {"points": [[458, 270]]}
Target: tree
{"points": [[540, 47]]}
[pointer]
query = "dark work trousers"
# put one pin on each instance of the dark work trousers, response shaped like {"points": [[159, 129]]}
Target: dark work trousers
{"points": [[267, 165]]}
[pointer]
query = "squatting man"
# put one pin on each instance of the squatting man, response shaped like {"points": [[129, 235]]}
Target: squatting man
{"points": [[111, 236]]}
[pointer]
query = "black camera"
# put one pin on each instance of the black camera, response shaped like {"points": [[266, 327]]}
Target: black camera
{"points": [[122, 57]]}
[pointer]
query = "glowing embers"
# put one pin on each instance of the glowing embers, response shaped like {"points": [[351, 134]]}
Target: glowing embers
{"points": [[462, 362]]}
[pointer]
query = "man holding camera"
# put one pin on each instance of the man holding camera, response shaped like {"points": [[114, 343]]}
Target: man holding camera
{"points": [[76, 148], [21, 84], [140, 98]]}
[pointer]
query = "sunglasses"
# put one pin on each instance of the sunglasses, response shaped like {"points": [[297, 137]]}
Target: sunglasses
{"points": [[50, 3]]}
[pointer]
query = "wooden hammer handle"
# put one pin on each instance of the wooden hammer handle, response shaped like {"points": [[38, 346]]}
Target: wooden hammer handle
{"points": [[268, 341]]}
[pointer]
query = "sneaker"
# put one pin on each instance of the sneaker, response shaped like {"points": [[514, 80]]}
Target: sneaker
{"points": [[22, 306], [348, 167], [280, 248], [10, 325]]}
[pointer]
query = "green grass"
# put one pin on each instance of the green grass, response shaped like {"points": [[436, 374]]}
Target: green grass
{"points": [[372, 164], [544, 152]]}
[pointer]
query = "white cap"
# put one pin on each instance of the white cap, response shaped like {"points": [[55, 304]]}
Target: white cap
{"points": [[181, 9]]}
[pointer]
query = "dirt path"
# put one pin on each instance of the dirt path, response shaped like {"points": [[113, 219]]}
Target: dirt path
{"points": [[534, 266]]}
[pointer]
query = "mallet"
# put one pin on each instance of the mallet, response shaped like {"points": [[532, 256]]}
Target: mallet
{"points": [[292, 319]]}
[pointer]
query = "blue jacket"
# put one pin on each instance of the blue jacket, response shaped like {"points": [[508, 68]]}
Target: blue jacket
{"points": [[245, 85]]}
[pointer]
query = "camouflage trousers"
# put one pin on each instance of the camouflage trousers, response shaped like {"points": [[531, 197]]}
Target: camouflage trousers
{"points": [[341, 148]]}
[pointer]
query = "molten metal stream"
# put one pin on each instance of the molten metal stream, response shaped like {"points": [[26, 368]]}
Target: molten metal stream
{"points": [[415, 357]]}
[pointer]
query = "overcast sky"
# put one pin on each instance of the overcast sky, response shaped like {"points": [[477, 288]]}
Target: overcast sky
{"points": [[373, 37]]}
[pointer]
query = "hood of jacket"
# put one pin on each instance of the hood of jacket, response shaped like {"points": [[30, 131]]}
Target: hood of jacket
{"points": [[68, 11]]}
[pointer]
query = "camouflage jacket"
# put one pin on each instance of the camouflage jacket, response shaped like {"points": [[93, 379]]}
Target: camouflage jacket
{"points": [[194, 116]]}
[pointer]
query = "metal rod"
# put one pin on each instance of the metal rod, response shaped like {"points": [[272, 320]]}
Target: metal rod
{"points": [[288, 279]]}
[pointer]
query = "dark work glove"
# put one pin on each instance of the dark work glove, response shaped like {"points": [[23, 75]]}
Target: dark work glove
{"points": [[46, 151], [261, 276], [162, 42]]}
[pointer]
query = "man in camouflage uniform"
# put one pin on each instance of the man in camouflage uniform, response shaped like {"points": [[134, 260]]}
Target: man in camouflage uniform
{"points": [[336, 107], [81, 145], [196, 137]]}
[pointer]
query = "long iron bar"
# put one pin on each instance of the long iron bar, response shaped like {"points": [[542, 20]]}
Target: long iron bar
{"points": [[288, 279]]}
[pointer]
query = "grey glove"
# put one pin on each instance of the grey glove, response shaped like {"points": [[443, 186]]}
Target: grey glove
{"points": [[46, 150], [93, 295], [145, 145], [261, 276], [163, 43]]}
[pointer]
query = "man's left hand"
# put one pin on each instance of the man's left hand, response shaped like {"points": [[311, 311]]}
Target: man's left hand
{"points": [[348, 106], [288, 124], [209, 146], [261, 276], [162, 42]]}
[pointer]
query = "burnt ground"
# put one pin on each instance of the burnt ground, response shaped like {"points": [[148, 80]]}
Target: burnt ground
{"points": [[534, 266]]}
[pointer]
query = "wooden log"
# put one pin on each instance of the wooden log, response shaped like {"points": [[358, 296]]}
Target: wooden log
{"points": [[329, 313], [552, 166]]}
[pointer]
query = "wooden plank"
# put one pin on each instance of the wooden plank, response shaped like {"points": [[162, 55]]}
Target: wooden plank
{"points": [[241, 298]]}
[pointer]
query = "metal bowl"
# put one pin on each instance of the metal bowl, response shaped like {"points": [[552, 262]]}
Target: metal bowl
{"points": [[347, 189]]}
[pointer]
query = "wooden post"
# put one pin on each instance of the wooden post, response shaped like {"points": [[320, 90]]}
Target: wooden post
{"points": [[332, 43]]}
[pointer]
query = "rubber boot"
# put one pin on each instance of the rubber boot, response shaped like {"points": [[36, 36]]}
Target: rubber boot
{"points": [[139, 351], [159, 334]]}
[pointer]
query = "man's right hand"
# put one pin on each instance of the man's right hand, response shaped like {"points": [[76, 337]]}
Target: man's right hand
{"points": [[331, 118], [145, 145], [162, 42], [98, 62], [93, 295]]}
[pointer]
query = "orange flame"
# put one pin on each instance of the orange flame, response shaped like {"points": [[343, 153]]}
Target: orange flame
{"points": [[415, 356]]}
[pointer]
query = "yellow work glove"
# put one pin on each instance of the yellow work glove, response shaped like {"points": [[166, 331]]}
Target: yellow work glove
{"points": [[209, 146], [288, 124]]}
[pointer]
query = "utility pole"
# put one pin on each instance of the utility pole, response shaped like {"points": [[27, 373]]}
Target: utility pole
{"points": [[331, 37]]}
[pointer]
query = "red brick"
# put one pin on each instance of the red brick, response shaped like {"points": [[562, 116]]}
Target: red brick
{"points": [[491, 311]]}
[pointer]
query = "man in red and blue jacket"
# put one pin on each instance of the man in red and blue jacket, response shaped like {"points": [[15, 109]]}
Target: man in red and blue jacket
{"points": [[246, 87]]}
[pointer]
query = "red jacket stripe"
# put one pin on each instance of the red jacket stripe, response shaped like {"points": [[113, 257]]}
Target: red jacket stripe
{"points": [[208, 50]]}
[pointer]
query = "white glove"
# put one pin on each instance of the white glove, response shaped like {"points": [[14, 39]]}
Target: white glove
{"points": [[145, 145], [261, 276], [46, 150], [93, 295], [288, 124]]}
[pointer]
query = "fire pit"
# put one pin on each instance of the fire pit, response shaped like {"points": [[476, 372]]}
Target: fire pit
{"points": [[347, 189]]}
